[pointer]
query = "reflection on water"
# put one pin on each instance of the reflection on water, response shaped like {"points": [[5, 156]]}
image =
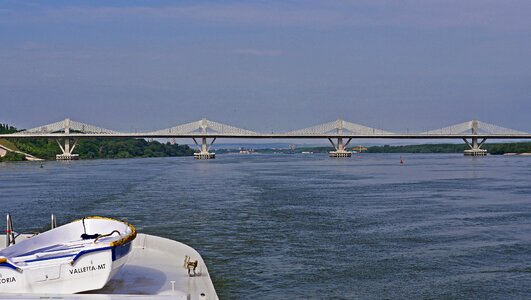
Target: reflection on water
{"points": [[308, 226]]}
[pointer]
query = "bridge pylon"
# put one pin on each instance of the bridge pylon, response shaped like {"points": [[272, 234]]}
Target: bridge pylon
{"points": [[204, 148], [475, 147], [340, 146], [67, 150]]}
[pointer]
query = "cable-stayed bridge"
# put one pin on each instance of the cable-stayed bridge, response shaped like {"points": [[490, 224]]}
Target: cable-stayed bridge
{"points": [[340, 133]]}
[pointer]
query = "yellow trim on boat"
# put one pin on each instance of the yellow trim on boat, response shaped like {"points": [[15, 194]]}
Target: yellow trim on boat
{"points": [[121, 241], [3, 260], [127, 238]]}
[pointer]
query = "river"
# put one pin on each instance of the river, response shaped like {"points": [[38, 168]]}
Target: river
{"points": [[308, 226]]}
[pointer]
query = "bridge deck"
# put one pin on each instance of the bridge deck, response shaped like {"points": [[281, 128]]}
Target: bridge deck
{"points": [[264, 136]]}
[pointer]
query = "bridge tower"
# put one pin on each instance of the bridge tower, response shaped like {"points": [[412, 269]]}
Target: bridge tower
{"points": [[475, 147], [67, 150], [204, 148], [340, 146]]}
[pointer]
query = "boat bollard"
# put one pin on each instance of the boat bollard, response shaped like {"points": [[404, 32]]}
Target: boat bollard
{"points": [[172, 285]]}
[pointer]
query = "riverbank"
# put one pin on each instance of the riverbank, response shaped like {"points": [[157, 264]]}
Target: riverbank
{"points": [[493, 148], [10, 152], [89, 148]]}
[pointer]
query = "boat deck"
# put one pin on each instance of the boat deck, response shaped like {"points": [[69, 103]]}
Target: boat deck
{"points": [[155, 269]]}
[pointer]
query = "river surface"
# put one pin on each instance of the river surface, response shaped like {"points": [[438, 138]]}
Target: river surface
{"points": [[309, 226]]}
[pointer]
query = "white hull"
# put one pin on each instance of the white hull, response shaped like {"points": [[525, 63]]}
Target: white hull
{"points": [[153, 270], [60, 262]]}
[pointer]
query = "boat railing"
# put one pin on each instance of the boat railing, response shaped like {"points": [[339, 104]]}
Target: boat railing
{"points": [[11, 235]]}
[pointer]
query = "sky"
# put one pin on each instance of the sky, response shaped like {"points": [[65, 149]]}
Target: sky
{"points": [[266, 65]]}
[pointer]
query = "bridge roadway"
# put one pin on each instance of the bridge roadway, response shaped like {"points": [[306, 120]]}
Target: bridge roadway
{"points": [[204, 148], [263, 136], [474, 133]]}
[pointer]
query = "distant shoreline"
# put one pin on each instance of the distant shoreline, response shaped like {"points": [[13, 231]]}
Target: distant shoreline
{"points": [[519, 148]]}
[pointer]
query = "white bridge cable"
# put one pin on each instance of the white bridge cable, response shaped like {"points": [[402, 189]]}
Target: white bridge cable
{"points": [[54, 127], [204, 126], [73, 126], [87, 128], [227, 129], [179, 129], [466, 128], [461, 128], [339, 127], [495, 129]]}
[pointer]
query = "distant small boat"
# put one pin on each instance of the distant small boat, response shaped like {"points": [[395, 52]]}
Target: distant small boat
{"points": [[307, 152], [246, 151], [359, 149], [80, 256]]}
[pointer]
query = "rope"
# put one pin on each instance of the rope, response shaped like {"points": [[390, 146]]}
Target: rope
{"points": [[106, 235], [86, 236]]}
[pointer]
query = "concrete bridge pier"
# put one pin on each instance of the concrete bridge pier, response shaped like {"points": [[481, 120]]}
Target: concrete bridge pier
{"points": [[475, 147], [204, 149], [340, 148], [67, 151]]}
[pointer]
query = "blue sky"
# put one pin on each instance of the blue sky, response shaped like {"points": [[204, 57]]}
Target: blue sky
{"points": [[266, 65]]}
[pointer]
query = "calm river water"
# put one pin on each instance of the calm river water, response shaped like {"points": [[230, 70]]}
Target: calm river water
{"points": [[308, 226]]}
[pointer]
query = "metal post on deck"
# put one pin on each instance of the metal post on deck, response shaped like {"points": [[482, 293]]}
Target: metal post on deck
{"points": [[54, 221], [10, 234]]}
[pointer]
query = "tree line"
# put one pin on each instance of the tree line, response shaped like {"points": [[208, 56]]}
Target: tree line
{"points": [[91, 148], [6, 129]]}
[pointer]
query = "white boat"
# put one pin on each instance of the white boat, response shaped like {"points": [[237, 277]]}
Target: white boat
{"points": [[80, 256]]}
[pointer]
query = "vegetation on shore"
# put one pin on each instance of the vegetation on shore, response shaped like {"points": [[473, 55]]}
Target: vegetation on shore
{"points": [[92, 148], [13, 156], [501, 148], [6, 129]]}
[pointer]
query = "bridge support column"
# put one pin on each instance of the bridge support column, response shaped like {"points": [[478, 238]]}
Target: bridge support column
{"points": [[204, 149], [475, 147], [340, 148], [67, 151]]}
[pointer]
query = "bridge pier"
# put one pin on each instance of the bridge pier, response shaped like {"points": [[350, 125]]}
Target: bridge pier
{"points": [[340, 148], [67, 151], [475, 147], [204, 149]]}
